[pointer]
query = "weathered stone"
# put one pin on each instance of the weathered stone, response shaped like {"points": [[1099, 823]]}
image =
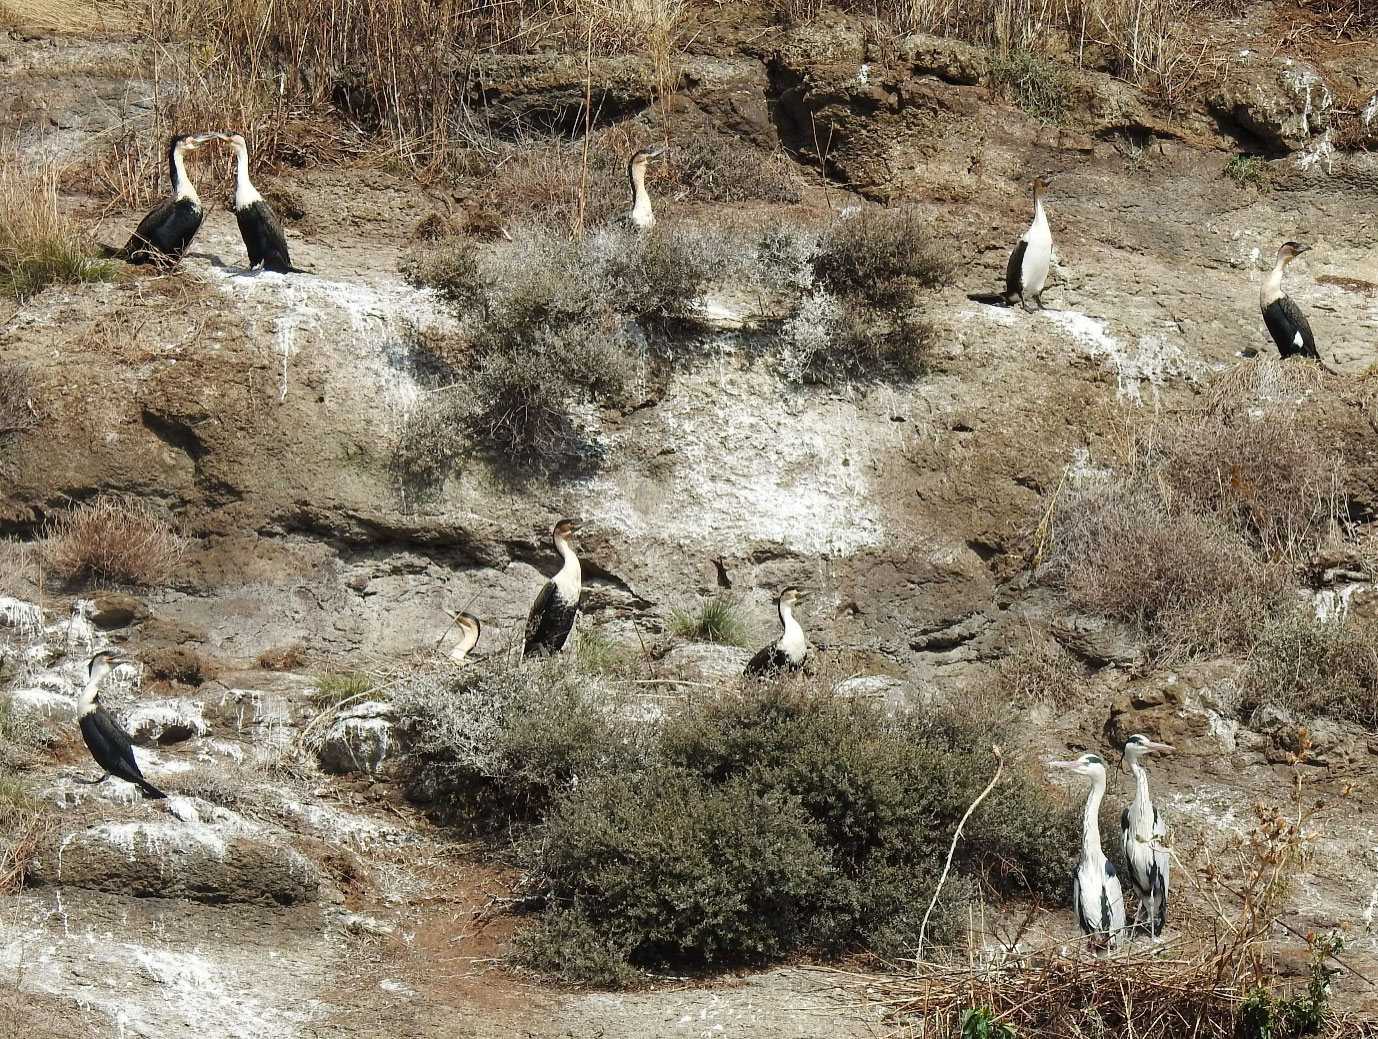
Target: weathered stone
{"points": [[360, 739], [166, 721], [952, 61], [1278, 102], [1097, 640], [703, 660], [1172, 706], [117, 610]]}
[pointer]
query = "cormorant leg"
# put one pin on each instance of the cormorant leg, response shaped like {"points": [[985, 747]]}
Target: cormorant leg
{"points": [[1024, 303], [91, 782]]}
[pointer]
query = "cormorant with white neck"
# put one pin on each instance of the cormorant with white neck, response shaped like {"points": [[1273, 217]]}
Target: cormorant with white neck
{"points": [[1286, 323], [1096, 893], [164, 234], [469, 631], [1143, 836], [1027, 271], [790, 649], [109, 744], [641, 215], [258, 224], [552, 614]]}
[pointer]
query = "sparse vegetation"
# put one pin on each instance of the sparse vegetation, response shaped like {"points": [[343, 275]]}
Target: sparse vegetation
{"points": [[25, 819], [717, 618], [1036, 84], [717, 168], [22, 734], [39, 244], [16, 392], [429, 443], [1314, 666], [880, 258], [1247, 169], [331, 689], [1041, 671], [116, 540]]}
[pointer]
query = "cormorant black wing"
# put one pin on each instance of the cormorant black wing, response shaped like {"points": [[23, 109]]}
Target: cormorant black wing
{"points": [[166, 232], [1014, 272], [264, 237], [135, 250], [1290, 329], [549, 623], [767, 661], [111, 747]]}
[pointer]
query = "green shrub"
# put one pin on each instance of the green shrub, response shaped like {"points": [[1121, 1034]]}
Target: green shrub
{"points": [[880, 258], [718, 618], [1247, 169], [39, 244], [1315, 667], [1037, 85], [328, 690], [453, 272]]}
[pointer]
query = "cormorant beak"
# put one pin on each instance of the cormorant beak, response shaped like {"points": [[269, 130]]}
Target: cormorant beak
{"points": [[656, 153], [195, 140], [1301, 249]]}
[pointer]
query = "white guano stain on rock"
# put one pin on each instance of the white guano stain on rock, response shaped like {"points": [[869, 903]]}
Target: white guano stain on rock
{"points": [[1153, 359], [25, 617]]}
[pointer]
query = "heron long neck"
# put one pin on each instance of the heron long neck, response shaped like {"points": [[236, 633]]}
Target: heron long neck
{"points": [[182, 186], [1141, 803], [245, 194], [1272, 285], [468, 637], [1090, 823], [641, 201], [86, 702], [569, 576]]}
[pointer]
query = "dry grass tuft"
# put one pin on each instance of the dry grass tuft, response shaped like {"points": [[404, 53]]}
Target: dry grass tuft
{"points": [[39, 244], [113, 539], [16, 392]]}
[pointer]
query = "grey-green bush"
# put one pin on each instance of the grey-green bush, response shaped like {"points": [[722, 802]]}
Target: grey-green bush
{"points": [[1315, 667]]}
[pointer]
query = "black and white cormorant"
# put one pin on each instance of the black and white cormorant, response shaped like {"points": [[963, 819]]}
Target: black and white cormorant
{"points": [[258, 224], [108, 743], [1027, 271], [164, 234], [1096, 893], [469, 631], [641, 215], [1143, 838], [1286, 323], [790, 649], [552, 614]]}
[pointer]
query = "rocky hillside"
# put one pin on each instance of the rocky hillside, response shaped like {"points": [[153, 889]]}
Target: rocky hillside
{"points": [[274, 422]]}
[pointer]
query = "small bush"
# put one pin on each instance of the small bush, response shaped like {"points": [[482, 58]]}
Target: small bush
{"points": [[429, 443], [881, 258], [718, 618], [1042, 672], [830, 340], [1315, 667], [113, 539], [1247, 169], [453, 272], [1037, 85], [718, 168], [25, 819], [329, 690], [40, 245], [22, 735]]}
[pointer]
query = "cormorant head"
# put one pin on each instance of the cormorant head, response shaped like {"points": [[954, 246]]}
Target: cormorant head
{"points": [[1041, 183], [102, 664], [1141, 744], [1086, 765], [189, 142], [565, 529], [470, 623], [1290, 251], [642, 156], [791, 595]]}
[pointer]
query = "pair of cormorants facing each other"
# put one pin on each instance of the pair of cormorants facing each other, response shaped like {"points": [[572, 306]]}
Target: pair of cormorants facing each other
{"points": [[165, 233], [1097, 894]]}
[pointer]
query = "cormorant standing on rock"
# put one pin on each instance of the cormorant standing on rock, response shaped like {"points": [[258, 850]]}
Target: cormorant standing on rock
{"points": [[258, 224], [1027, 271], [552, 614], [164, 234], [640, 215], [790, 649], [108, 743], [1286, 323]]}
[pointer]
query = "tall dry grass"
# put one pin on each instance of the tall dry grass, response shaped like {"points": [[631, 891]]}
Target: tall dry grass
{"points": [[40, 244]]}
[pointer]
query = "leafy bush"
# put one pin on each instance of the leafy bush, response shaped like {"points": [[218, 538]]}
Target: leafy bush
{"points": [[828, 340], [113, 539], [717, 618], [1037, 85], [1247, 169], [1315, 667], [331, 689], [453, 272], [881, 258]]}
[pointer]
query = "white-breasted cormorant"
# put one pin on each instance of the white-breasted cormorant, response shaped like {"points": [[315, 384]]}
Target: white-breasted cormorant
{"points": [[641, 215], [108, 743], [1027, 271], [258, 224], [1096, 893], [552, 614], [1286, 323], [790, 649], [164, 234], [1143, 839], [469, 630]]}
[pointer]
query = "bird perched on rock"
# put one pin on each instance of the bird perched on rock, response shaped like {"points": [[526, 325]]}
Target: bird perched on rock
{"points": [[109, 744], [1027, 271], [1286, 323], [1143, 838], [790, 649], [258, 224], [557, 604], [165, 233], [1097, 895]]}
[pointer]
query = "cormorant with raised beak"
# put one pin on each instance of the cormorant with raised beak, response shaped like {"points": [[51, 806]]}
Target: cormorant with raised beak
{"points": [[109, 744], [469, 631], [258, 224], [790, 649], [1286, 323], [1027, 271], [641, 215], [552, 614], [164, 234]]}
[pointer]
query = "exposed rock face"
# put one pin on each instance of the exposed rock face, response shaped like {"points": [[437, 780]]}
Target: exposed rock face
{"points": [[360, 739], [1281, 102], [117, 610], [166, 721]]}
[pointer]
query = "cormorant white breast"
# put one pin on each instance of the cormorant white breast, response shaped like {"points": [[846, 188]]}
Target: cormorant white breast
{"points": [[258, 224], [1096, 893], [790, 649], [641, 215], [1027, 271], [469, 631], [552, 614], [1143, 839], [1286, 323], [109, 744], [164, 234]]}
